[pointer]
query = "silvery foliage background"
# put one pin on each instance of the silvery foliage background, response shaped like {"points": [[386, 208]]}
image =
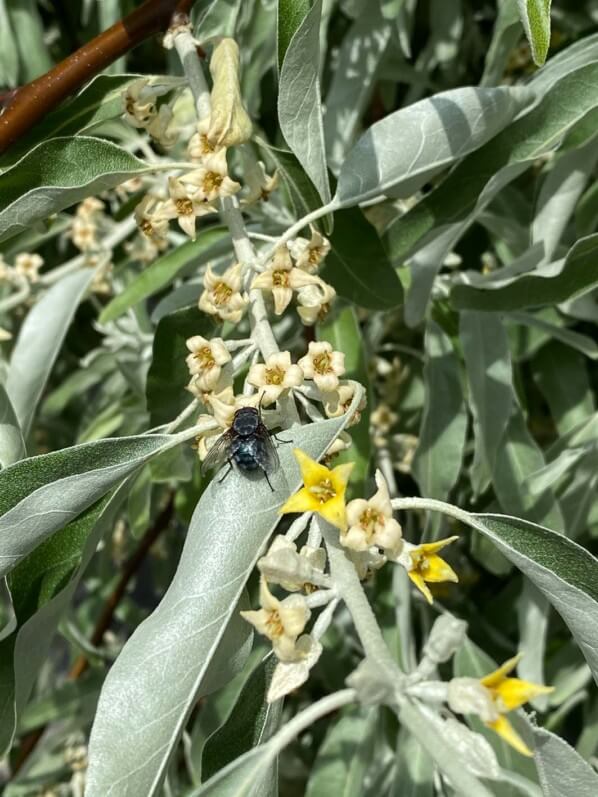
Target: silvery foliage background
{"points": [[433, 117]]}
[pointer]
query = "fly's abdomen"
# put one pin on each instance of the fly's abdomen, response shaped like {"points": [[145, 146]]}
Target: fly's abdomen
{"points": [[247, 454]]}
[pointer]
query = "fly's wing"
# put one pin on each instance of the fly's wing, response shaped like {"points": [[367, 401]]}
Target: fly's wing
{"points": [[271, 461], [217, 454]]}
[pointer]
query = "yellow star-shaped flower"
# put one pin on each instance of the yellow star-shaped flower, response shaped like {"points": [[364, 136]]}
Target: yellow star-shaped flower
{"points": [[425, 565], [323, 491], [507, 694]]}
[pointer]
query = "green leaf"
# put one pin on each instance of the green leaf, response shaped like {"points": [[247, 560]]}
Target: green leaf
{"points": [[300, 103], [547, 285], [168, 375], [291, 14], [506, 34], [344, 756], [357, 265], [9, 54], [12, 445], [159, 674], [414, 776], [479, 177], [562, 377], [535, 16], [562, 771], [26, 21], [209, 243], [57, 174], [39, 343], [433, 134], [41, 495], [439, 455]]}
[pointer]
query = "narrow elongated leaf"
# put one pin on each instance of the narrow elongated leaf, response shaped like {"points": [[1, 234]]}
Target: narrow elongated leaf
{"points": [[291, 14], [9, 53], [506, 34], [155, 681], [432, 133], [568, 97], [535, 16], [562, 770], [357, 265], [414, 775], [58, 173], [299, 101], [40, 495], [39, 343], [12, 445], [551, 284], [27, 24], [209, 243], [439, 454]]}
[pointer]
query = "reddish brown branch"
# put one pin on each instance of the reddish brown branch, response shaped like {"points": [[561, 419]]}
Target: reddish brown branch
{"points": [[33, 101], [104, 621]]}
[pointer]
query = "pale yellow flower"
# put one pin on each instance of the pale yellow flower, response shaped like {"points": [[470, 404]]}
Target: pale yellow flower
{"points": [[199, 146], [323, 491], [281, 279], [293, 570], [275, 377], [90, 208], [309, 254], [424, 565], [206, 360], [183, 205], [339, 401], [282, 622], [160, 128], [149, 220], [224, 405], [84, 233], [323, 365], [222, 296], [259, 183], [371, 522], [139, 102], [210, 181], [313, 302], [28, 265]]}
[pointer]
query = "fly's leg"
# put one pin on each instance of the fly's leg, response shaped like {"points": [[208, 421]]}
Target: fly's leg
{"points": [[230, 467], [280, 439], [268, 480]]}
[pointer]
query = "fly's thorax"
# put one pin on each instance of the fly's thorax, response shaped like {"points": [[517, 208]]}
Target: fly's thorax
{"points": [[246, 421]]}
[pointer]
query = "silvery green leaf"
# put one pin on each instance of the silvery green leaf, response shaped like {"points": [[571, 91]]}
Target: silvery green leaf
{"points": [[59, 173], [544, 320], [12, 445], [9, 54], [439, 455], [506, 34], [489, 375], [26, 21], [160, 673], [291, 14], [563, 378], [535, 16], [41, 495], [548, 476], [353, 80], [299, 101], [474, 749], [559, 195], [552, 283], [39, 342], [563, 772], [344, 756], [433, 133], [476, 181], [414, 775]]}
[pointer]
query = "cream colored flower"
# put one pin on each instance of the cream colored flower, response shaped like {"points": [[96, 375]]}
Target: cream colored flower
{"points": [[259, 183], [183, 205], [224, 405], [160, 128], [309, 254], [371, 522], [281, 621], [323, 365], [292, 570], [90, 208], [139, 102], [222, 296], [275, 377], [144, 249], [4, 335], [290, 675], [229, 122], [102, 279], [84, 233], [28, 265], [366, 562], [210, 181], [206, 360], [341, 443], [281, 279], [149, 220], [199, 146], [314, 301], [339, 401], [382, 421]]}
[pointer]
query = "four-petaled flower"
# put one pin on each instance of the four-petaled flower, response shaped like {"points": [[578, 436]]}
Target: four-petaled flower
{"points": [[424, 565], [149, 220], [282, 622], [303, 570], [323, 365], [222, 294], [200, 146], [274, 377], [206, 360], [339, 402], [28, 265], [183, 205], [323, 490], [313, 301], [309, 254], [210, 180], [281, 278], [371, 522]]}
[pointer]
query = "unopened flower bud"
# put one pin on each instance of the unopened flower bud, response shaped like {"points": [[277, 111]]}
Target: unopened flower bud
{"points": [[446, 637], [229, 122], [469, 696]]}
